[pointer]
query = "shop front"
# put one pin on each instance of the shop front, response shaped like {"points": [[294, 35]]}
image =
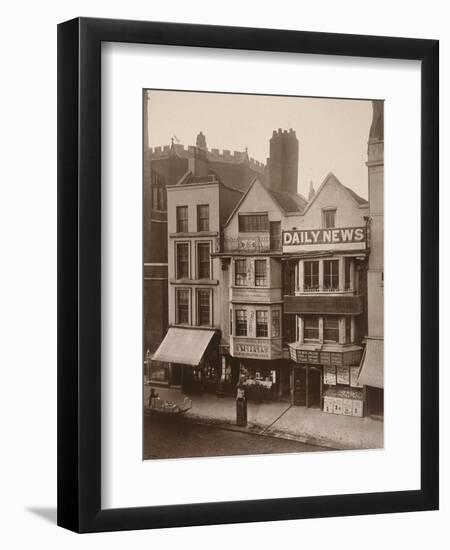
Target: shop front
{"points": [[264, 380], [325, 376], [307, 386], [189, 359]]}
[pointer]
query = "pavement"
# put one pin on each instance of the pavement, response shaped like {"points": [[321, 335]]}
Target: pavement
{"points": [[283, 420], [164, 438]]}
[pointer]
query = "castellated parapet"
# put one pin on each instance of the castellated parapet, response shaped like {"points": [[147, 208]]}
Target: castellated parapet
{"points": [[213, 155]]}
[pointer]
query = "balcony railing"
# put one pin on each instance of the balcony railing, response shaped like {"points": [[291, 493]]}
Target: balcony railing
{"points": [[257, 244]]}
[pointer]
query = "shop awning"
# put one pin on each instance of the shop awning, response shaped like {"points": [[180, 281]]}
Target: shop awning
{"points": [[183, 345], [371, 371]]}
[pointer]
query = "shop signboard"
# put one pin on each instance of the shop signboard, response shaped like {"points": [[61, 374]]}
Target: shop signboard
{"points": [[313, 357], [336, 358], [343, 238], [337, 405], [254, 348], [292, 353], [305, 356], [328, 404], [347, 407], [354, 371], [357, 407], [329, 375], [343, 375], [302, 356]]}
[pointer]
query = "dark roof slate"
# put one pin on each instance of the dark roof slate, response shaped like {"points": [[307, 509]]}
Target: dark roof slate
{"points": [[357, 198], [288, 201]]}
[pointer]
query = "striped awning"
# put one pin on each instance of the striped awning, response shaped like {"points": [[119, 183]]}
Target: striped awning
{"points": [[372, 364], [183, 345]]}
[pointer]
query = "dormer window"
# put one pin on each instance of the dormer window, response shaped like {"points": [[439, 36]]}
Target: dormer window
{"points": [[329, 218]]}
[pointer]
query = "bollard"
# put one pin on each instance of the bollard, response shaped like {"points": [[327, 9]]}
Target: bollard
{"points": [[241, 407]]}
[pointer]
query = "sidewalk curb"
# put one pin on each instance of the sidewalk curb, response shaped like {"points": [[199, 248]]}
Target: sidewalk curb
{"points": [[266, 431], [261, 430]]}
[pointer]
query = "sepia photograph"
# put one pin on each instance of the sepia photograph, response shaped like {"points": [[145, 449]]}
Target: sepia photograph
{"points": [[263, 298]]}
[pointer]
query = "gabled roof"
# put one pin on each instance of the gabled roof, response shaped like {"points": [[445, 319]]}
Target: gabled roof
{"points": [[285, 200], [331, 177]]}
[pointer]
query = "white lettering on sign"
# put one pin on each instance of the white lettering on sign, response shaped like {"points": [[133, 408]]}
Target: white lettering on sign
{"points": [[323, 236], [251, 349], [346, 238]]}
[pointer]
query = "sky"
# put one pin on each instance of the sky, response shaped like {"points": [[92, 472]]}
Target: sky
{"points": [[332, 133]]}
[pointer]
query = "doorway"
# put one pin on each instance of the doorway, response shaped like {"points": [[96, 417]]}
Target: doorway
{"points": [[299, 397], [375, 402], [314, 388], [307, 386], [176, 375]]}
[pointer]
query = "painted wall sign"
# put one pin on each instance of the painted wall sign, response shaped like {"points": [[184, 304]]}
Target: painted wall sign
{"points": [[317, 239], [251, 349]]}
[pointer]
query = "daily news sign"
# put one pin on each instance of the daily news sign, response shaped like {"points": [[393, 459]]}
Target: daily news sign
{"points": [[346, 238]]}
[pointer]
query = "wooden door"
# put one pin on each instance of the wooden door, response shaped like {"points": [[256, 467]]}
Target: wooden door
{"points": [[300, 386]]}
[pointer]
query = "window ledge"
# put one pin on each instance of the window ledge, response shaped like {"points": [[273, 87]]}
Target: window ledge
{"points": [[185, 234], [198, 282]]}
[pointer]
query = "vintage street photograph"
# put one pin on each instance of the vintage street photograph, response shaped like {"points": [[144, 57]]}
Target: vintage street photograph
{"points": [[263, 281]]}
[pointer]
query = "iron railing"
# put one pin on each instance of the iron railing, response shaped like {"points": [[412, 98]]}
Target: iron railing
{"points": [[251, 244]]}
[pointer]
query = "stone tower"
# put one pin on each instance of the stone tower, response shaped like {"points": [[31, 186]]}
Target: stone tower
{"points": [[283, 161]]}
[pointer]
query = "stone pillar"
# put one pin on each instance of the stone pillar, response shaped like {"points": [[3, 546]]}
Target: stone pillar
{"points": [[320, 275], [356, 280], [352, 275], [300, 327], [300, 276], [352, 329], [321, 328], [341, 273], [342, 330]]}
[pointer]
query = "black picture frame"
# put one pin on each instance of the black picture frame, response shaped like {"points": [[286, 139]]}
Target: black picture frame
{"points": [[79, 274]]}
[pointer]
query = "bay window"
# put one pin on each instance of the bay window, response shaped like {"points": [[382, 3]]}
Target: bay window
{"points": [[260, 273], [241, 322], [240, 272], [311, 275], [276, 323], [331, 329], [311, 327], [331, 274], [262, 318]]}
